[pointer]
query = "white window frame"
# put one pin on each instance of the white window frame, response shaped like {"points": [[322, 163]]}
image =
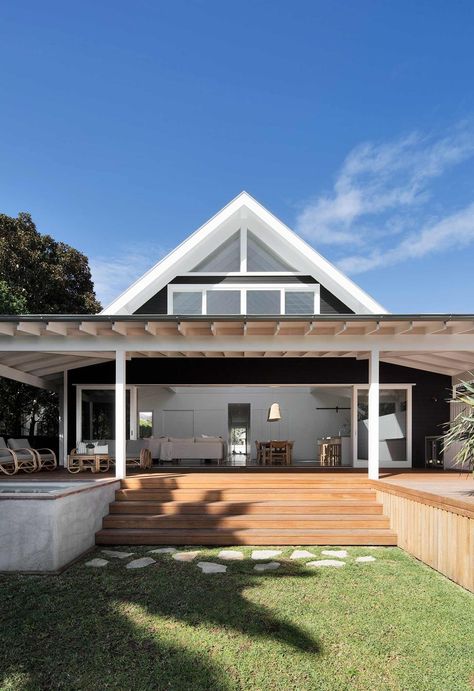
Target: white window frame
{"points": [[282, 288]]}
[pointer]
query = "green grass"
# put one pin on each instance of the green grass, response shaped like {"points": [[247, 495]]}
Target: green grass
{"points": [[390, 624]]}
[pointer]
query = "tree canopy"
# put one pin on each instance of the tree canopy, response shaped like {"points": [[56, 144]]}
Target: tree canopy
{"points": [[38, 276], [50, 277]]}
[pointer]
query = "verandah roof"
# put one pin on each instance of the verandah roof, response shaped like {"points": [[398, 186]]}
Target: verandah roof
{"points": [[37, 349]]}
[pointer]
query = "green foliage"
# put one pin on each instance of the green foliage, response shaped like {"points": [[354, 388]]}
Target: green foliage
{"points": [[39, 275], [51, 277], [10, 301], [461, 430]]}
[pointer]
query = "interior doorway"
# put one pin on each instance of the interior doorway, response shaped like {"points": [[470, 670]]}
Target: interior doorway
{"points": [[239, 428]]}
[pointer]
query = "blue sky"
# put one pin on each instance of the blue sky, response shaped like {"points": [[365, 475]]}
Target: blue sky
{"points": [[125, 125]]}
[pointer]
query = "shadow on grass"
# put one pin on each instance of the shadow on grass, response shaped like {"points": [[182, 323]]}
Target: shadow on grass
{"points": [[163, 627]]}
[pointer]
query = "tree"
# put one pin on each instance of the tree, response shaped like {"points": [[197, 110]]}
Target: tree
{"points": [[52, 277], [39, 276], [461, 429]]}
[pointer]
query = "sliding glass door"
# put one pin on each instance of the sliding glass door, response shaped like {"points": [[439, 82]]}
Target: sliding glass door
{"points": [[394, 425]]}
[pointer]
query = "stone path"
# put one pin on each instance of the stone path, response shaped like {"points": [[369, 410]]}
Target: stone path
{"points": [[265, 553], [301, 554], [210, 567], [339, 553], [230, 554], [185, 556], [140, 563], [97, 563], [163, 550], [269, 566], [326, 562], [117, 555]]}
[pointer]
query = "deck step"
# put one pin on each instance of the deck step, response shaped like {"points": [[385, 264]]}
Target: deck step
{"points": [[217, 508], [221, 536], [231, 480], [298, 521], [244, 494], [231, 508]]}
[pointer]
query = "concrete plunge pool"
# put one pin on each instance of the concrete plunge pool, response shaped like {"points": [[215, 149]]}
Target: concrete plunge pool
{"points": [[47, 525]]}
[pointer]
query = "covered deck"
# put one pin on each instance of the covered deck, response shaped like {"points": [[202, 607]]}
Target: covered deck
{"points": [[47, 351]]}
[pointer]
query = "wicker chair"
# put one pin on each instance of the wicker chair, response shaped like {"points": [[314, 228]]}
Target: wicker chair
{"points": [[45, 458], [13, 461]]}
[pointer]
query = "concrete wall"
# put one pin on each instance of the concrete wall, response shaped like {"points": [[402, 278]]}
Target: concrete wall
{"points": [[45, 534]]}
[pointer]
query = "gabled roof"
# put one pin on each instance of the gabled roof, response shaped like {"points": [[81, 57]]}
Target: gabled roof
{"points": [[244, 209]]}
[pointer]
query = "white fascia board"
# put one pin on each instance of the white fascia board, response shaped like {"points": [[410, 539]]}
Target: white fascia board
{"points": [[296, 250], [198, 245], [180, 260]]}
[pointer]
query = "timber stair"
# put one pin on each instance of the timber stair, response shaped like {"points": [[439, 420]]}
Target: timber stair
{"points": [[231, 508]]}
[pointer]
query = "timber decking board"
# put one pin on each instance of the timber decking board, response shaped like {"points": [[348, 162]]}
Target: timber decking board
{"points": [[231, 508], [351, 506], [245, 537]]}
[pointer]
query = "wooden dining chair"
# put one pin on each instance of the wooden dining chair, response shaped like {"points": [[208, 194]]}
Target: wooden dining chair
{"points": [[279, 453]]}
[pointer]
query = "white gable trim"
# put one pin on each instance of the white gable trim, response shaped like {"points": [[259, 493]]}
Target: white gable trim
{"points": [[234, 216]]}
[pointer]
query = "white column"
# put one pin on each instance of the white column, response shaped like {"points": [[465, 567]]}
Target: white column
{"points": [[374, 415], [120, 413], [63, 422]]}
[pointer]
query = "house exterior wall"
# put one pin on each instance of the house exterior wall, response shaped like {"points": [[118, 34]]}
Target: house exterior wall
{"points": [[158, 304], [430, 391]]}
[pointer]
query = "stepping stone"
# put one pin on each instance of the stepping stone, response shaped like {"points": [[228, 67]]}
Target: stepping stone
{"points": [[326, 562], [230, 554], [210, 567], [301, 554], [185, 556], [365, 559], [271, 566], [162, 550], [265, 553], [339, 553], [97, 563], [117, 555], [140, 563]]}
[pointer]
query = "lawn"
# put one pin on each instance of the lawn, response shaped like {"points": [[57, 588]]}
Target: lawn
{"points": [[388, 624]]}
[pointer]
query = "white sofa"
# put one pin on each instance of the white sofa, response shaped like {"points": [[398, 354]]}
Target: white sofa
{"points": [[193, 448]]}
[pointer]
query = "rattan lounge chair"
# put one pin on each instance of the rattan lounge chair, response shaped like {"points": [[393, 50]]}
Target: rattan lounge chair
{"points": [[46, 458], [13, 461], [137, 454]]}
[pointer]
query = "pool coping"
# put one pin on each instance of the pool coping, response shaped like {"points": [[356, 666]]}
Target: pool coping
{"points": [[66, 492]]}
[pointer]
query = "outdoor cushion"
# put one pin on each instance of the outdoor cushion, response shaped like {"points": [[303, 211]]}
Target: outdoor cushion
{"points": [[19, 444], [2, 443]]}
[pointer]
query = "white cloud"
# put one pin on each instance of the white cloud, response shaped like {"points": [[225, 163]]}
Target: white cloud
{"points": [[381, 192], [113, 274], [453, 231]]}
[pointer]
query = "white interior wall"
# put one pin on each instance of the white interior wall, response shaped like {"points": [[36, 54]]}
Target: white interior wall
{"points": [[192, 411]]}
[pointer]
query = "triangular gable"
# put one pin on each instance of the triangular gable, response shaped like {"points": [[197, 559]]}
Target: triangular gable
{"points": [[215, 244]]}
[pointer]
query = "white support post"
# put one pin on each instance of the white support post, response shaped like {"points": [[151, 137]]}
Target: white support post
{"points": [[374, 397], [63, 421], [120, 414]]}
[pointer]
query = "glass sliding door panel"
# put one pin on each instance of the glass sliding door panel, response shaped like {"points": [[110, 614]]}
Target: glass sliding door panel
{"points": [[98, 414], [392, 425]]}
